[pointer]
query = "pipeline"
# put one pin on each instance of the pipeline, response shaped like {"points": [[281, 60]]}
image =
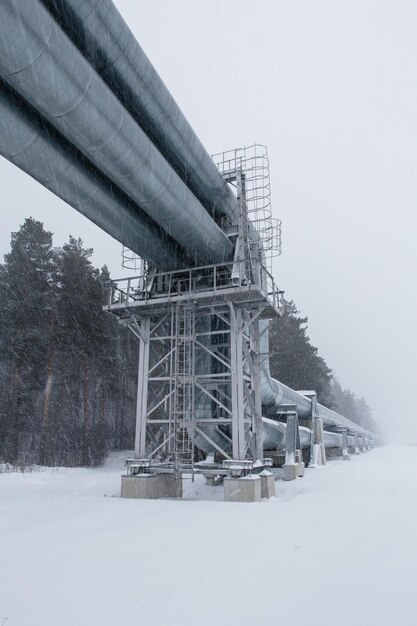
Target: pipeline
{"points": [[103, 37], [273, 438], [40, 62], [99, 31], [275, 393], [135, 157], [31, 144]]}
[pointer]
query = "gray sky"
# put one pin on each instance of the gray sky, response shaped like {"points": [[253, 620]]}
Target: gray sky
{"points": [[330, 87]]}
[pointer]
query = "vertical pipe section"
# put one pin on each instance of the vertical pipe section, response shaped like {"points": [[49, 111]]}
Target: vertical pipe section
{"points": [[40, 62]]}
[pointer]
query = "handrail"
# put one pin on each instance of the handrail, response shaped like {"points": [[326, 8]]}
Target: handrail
{"points": [[196, 280]]}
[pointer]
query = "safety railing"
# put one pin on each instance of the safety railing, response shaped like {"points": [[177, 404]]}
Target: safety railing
{"points": [[208, 280]]}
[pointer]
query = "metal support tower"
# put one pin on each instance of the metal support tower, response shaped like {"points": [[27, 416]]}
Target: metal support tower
{"points": [[199, 354]]}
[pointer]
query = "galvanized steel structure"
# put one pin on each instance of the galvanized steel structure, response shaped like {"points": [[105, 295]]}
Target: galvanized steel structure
{"points": [[84, 112]]}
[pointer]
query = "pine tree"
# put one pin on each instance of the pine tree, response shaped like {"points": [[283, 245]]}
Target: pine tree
{"points": [[67, 369], [356, 409], [293, 360], [82, 344], [27, 280]]}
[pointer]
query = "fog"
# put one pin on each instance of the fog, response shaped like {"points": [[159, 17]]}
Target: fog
{"points": [[331, 89]]}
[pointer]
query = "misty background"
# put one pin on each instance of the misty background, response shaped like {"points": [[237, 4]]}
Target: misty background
{"points": [[331, 89]]}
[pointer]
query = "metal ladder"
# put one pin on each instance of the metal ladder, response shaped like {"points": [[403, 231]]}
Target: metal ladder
{"points": [[184, 381]]}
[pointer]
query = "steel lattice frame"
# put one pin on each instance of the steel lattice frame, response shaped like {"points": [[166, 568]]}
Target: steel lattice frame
{"points": [[199, 352], [198, 382]]}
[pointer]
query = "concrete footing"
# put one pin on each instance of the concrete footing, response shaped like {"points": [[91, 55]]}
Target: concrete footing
{"points": [[246, 489], [290, 471], [267, 484], [301, 469], [213, 481], [152, 486]]}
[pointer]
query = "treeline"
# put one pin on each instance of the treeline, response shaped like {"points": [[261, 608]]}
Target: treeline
{"points": [[296, 363], [68, 371]]}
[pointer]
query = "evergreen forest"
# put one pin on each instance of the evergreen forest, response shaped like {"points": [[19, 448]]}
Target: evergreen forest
{"points": [[68, 370]]}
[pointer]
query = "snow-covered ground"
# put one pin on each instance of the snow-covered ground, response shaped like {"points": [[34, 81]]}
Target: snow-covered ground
{"points": [[336, 547]]}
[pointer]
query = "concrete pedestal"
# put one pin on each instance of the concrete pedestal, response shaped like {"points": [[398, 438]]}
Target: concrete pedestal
{"points": [[246, 489], [267, 484], [290, 471], [301, 469], [346, 457], [152, 486]]}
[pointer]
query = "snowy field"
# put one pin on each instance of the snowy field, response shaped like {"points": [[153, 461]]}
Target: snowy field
{"points": [[336, 547]]}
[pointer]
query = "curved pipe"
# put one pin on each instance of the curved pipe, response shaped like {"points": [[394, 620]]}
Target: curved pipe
{"points": [[39, 61], [275, 393], [31, 144], [99, 31]]}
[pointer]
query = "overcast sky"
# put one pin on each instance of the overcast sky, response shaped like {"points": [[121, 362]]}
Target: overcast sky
{"points": [[330, 86]]}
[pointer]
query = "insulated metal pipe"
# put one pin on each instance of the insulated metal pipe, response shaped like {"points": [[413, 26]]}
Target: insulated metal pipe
{"points": [[40, 62], [331, 417], [273, 435], [99, 31], [275, 393], [35, 147], [273, 438]]}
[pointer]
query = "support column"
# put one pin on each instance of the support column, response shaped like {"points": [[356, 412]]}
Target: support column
{"points": [[319, 456], [357, 449], [142, 393], [290, 466], [256, 388], [237, 391], [345, 447], [313, 398]]}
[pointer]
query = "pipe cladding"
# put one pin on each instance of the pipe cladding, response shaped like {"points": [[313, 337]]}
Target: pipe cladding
{"points": [[31, 144], [97, 87], [104, 38], [41, 63], [275, 393]]}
